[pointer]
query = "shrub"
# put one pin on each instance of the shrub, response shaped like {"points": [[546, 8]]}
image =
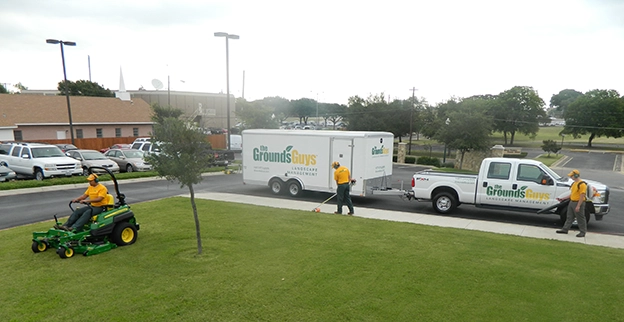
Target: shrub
{"points": [[410, 159], [448, 165], [429, 161]]}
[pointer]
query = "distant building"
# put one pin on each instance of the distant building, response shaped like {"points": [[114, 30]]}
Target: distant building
{"points": [[45, 117]]}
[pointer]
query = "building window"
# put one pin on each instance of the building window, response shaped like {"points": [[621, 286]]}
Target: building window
{"points": [[79, 134], [98, 133], [118, 132], [135, 131], [18, 135]]}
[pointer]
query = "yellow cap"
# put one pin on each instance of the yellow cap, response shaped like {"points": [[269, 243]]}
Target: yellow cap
{"points": [[92, 177], [335, 164], [574, 173]]}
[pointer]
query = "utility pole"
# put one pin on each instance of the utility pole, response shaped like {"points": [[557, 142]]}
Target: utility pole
{"points": [[409, 150]]}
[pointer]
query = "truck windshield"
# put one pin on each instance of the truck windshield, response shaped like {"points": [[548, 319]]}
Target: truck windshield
{"points": [[47, 152], [551, 173]]}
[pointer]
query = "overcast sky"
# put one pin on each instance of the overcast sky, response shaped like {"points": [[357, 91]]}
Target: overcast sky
{"points": [[327, 49]]}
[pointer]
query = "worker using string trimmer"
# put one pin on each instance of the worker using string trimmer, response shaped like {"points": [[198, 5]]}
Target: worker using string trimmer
{"points": [[343, 191]]}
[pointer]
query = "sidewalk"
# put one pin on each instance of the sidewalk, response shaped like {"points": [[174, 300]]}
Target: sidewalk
{"points": [[423, 219]]}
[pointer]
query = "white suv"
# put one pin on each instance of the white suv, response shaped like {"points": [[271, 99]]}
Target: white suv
{"points": [[38, 160]]}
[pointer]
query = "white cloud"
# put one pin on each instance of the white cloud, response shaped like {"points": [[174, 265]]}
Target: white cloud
{"points": [[334, 48]]}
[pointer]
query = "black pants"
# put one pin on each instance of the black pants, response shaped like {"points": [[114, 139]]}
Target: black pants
{"points": [[343, 192]]}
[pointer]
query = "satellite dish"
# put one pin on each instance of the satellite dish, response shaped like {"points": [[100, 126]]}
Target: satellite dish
{"points": [[157, 84]]}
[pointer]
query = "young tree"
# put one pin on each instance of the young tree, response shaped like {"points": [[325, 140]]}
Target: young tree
{"points": [[184, 154], [550, 146]]}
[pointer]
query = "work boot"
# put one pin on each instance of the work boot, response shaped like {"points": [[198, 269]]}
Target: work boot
{"points": [[581, 234], [57, 227], [562, 231], [337, 213], [350, 214]]}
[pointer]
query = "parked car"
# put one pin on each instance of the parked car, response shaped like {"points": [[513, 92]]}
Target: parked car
{"points": [[66, 147], [129, 160], [6, 174], [117, 146], [146, 139], [38, 160], [90, 158], [146, 146]]}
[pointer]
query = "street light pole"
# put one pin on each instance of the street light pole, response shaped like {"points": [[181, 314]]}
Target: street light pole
{"points": [[66, 43], [227, 77]]}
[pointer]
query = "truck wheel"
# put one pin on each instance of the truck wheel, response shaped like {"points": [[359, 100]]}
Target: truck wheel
{"points": [[124, 234], [444, 203], [294, 188], [39, 174], [276, 186]]}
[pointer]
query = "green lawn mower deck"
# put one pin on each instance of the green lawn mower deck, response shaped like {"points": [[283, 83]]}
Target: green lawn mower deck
{"points": [[115, 226]]}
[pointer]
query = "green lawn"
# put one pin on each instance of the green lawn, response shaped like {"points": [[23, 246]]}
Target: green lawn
{"points": [[266, 264]]}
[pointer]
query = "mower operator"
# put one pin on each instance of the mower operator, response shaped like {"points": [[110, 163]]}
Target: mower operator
{"points": [[96, 192]]}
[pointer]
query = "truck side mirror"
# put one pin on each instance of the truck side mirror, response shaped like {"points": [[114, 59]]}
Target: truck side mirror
{"points": [[547, 181]]}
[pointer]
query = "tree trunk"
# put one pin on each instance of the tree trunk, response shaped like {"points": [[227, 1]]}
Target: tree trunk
{"points": [[513, 134], [197, 230], [505, 136], [461, 161], [591, 138]]}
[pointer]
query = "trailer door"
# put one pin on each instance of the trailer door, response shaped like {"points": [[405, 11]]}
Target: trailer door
{"points": [[342, 151]]}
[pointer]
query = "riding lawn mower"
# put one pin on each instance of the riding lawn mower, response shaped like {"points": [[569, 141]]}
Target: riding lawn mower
{"points": [[113, 227]]}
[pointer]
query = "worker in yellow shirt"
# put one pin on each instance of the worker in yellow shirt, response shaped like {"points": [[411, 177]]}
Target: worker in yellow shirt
{"points": [[343, 191], [96, 192], [576, 207]]}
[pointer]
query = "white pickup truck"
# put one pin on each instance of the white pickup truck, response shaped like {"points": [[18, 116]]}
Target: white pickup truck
{"points": [[504, 183], [38, 160]]}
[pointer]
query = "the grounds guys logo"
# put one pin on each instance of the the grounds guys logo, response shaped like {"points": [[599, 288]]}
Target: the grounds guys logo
{"points": [[380, 150], [522, 193], [288, 155]]}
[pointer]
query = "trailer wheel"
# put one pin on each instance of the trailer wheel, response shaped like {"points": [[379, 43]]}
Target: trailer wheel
{"points": [[294, 188], [276, 186], [444, 203]]}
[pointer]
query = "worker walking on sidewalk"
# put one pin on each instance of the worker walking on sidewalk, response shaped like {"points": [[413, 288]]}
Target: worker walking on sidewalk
{"points": [[343, 191], [576, 207]]}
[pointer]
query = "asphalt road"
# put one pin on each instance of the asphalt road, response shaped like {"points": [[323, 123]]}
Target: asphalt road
{"points": [[23, 209]]}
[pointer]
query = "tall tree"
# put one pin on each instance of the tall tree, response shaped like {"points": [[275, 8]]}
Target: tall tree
{"points": [[303, 108], [597, 113], [560, 101], [256, 115], [282, 108], [84, 88], [184, 154], [3, 90], [333, 113], [371, 114], [459, 131], [518, 109]]}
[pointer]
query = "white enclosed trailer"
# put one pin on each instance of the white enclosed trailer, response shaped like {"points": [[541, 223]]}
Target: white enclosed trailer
{"points": [[295, 160]]}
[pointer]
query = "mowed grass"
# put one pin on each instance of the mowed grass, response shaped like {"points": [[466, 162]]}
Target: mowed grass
{"points": [[267, 264]]}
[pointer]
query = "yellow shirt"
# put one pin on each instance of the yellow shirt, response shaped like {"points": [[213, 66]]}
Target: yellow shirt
{"points": [[342, 175], [576, 190], [97, 191]]}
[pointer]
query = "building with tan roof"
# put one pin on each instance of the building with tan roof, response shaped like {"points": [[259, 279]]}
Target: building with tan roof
{"points": [[46, 117]]}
